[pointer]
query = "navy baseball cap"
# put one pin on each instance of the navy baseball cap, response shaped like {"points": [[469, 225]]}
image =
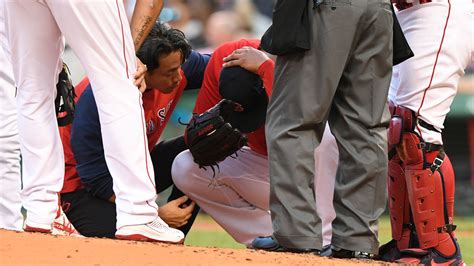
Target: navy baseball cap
{"points": [[245, 88]]}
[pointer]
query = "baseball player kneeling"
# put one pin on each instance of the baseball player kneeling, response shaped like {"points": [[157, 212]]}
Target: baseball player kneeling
{"points": [[236, 191]]}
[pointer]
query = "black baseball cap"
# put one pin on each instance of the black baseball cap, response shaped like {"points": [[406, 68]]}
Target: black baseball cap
{"points": [[245, 88]]}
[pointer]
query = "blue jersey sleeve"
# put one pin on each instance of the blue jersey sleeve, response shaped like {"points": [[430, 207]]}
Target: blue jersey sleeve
{"points": [[88, 149], [194, 68]]}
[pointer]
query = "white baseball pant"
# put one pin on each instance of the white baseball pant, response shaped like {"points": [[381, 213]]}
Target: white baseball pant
{"points": [[10, 176], [441, 39], [99, 34], [237, 197], [326, 159]]}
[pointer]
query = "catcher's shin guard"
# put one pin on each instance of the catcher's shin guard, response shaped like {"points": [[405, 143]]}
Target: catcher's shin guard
{"points": [[402, 229], [428, 192], [421, 193], [399, 207], [403, 120], [398, 203]]}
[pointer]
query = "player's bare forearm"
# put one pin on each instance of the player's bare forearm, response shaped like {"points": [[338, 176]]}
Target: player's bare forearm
{"points": [[144, 17]]}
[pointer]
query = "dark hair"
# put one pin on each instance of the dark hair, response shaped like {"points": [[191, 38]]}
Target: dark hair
{"points": [[162, 40]]}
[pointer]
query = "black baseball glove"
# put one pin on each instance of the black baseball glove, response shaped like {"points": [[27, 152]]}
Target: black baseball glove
{"points": [[209, 136], [64, 101]]}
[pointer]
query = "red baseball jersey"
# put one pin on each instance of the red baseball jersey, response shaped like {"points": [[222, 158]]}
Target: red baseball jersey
{"points": [[72, 181], [157, 106], [209, 94]]}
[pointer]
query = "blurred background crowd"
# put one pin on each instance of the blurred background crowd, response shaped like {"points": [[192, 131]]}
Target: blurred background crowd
{"points": [[209, 23]]}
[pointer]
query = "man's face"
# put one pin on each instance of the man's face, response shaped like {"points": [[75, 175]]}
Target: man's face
{"points": [[167, 77]]}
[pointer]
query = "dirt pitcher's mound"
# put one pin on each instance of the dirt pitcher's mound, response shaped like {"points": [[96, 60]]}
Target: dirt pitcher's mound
{"points": [[18, 248]]}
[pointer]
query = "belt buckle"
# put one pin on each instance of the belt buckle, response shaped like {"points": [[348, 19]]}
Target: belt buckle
{"points": [[437, 162]]}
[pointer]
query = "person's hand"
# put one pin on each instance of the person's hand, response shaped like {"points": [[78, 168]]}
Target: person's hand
{"points": [[140, 76], [246, 57], [174, 215]]}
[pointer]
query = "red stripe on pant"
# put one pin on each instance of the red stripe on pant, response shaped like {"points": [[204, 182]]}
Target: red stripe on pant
{"points": [[435, 64]]}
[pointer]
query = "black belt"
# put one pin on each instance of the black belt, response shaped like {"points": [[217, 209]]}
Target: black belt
{"points": [[428, 126], [429, 147]]}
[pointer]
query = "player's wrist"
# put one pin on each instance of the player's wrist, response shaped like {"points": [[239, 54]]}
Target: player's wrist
{"points": [[269, 64]]}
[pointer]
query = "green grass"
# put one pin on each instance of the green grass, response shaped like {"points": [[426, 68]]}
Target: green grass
{"points": [[209, 237]]}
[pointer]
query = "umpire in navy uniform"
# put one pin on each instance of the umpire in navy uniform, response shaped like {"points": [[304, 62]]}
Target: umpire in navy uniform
{"points": [[339, 74]]}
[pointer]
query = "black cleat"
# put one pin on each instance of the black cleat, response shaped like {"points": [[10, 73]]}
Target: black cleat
{"points": [[326, 251], [268, 243], [389, 252], [431, 256], [350, 254]]}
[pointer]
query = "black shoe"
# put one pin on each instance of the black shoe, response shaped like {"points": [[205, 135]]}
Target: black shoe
{"points": [[268, 243], [389, 252], [350, 254], [326, 251], [431, 256]]}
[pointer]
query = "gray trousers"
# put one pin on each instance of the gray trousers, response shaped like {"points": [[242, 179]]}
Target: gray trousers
{"points": [[343, 80]]}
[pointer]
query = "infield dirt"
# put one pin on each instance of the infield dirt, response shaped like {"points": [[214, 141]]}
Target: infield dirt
{"points": [[20, 248]]}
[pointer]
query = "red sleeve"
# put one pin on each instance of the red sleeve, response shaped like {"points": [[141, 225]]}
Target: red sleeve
{"points": [[265, 71], [209, 93], [72, 182], [81, 87]]}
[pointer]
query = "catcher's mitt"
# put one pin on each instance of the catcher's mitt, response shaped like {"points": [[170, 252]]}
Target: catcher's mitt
{"points": [[64, 101], [210, 138]]}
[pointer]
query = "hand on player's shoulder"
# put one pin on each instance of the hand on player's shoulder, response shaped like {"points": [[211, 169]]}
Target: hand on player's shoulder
{"points": [[246, 57]]}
